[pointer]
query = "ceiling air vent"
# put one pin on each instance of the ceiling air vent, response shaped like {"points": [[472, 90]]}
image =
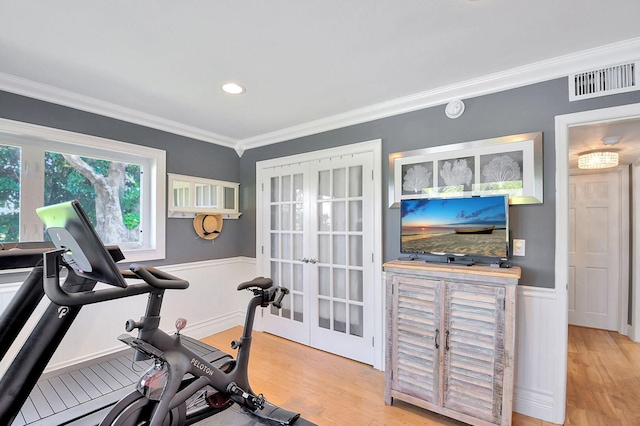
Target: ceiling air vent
{"points": [[604, 81]]}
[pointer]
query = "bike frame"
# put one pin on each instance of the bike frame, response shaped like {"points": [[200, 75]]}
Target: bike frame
{"points": [[181, 360]]}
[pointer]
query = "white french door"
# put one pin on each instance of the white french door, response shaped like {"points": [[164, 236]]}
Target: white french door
{"points": [[318, 239]]}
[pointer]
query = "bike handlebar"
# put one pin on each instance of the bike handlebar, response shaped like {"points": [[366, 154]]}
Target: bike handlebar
{"points": [[154, 280], [157, 278], [278, 302]]}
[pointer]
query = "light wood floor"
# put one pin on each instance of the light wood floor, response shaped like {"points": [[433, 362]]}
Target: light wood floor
{"points": [[603, 386]]}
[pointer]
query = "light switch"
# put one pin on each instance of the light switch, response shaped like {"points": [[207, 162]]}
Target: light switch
{"points": [[518, 247]]}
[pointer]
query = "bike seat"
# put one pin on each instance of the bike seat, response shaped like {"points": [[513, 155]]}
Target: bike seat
{"points": [[260, 282]]}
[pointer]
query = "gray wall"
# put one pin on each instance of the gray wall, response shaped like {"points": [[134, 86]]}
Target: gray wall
{"points": [[527, 109], [184, 156]]}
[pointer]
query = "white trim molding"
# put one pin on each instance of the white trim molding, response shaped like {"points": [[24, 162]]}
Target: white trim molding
{"points": [[211, 305], [559, 346], [516, 77], [44, 92], [535, 334]]}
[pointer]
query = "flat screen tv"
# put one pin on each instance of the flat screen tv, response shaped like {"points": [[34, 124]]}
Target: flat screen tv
{"points": [[475, 228]]}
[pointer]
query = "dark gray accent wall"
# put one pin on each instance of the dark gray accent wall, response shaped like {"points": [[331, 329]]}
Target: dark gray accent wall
{"points": [[184, 156], [527, 109]]}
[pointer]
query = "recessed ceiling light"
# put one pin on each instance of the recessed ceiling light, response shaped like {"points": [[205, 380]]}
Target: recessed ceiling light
{"points": [[233, 88]]}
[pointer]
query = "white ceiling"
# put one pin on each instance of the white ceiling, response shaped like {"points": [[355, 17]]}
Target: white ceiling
{"points": [[305, 64], [587, 138]]}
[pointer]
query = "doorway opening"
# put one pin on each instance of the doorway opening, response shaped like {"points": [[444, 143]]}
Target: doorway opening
{"points": [[563, 125]]}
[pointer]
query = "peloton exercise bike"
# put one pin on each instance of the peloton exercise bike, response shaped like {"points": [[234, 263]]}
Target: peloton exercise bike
{"points": [[180, 387]]}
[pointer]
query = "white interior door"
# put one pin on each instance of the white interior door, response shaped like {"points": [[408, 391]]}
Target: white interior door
{"points": [[286, 233], [318, 231], [594, 250], [341, 250]]}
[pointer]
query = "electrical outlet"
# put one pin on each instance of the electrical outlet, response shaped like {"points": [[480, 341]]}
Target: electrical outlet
{"points": [[518, 247]]}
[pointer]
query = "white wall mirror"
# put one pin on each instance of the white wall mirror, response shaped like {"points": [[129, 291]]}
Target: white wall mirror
{"points": [[190, 195]]}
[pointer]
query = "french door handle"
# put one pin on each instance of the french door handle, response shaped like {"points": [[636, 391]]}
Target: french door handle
{"points": [[312, 260], [304, 259]]}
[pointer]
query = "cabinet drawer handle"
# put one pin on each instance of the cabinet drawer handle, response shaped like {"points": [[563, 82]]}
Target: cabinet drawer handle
{"points": [[436, 338], [446, 342]]}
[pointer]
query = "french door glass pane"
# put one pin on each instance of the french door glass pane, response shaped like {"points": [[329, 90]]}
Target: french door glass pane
{"points": [[355, 216], [355, 285], [286, 275], [286, 188], [298, 224], [339, 317], [324, 313], [339, 216], [339, 250], [298, 240], [275, 216], [324, 248], [285, 224], [10, 193], [275, 189], [356, 326], [324, 281], [298, 189], [355, 250], [285, 312], [298, 277], [324, 216], [339, 283], [286, 246], [298, 312], [324, 185], [275, 245], [339, 181], [355, 181]]}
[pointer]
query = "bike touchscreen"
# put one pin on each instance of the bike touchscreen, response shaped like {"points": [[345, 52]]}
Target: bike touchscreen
{"points": [[69, 227]]}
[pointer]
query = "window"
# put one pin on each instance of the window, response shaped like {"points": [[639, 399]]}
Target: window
{"points": [[190, 195], [121, 186]]}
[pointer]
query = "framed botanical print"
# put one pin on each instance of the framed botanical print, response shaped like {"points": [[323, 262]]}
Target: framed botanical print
{"points": [[510, 165]]}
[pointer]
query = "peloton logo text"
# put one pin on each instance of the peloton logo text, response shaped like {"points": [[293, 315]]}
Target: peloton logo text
{"points": [[201, 366]]}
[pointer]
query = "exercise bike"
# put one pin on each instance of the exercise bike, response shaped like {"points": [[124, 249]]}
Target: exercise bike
{"points": [[180, 387]]}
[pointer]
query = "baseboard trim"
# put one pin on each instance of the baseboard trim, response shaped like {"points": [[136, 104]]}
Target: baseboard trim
{"points": [[533, 403], [197, 331]]}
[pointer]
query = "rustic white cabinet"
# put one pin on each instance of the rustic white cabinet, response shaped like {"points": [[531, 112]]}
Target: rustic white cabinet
{"points": [[450, 339]]}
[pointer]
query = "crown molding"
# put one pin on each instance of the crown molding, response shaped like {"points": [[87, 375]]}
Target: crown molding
{"points": [[44, 92], [537, 72], [612, 54]]}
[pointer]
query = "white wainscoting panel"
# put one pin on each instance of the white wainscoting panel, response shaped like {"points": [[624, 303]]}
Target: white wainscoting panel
{"points": [[211, 304], [6, 294], [534, 379]]}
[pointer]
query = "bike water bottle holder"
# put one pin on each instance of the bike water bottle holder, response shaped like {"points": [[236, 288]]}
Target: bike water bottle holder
{"points": [[154, 381]]}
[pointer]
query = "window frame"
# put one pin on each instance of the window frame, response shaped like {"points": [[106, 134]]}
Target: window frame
{"points": [[41, 139]]}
